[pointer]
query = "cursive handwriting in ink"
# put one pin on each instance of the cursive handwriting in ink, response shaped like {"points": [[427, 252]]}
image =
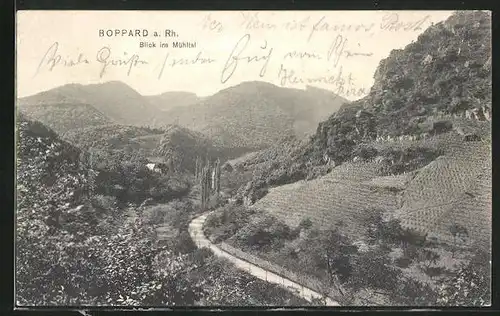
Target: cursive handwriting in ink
{"points": [[52, 58], [235, 57], [353, 54], [340, 84], [323, 25], [288, 77], [251, 21], [297, 25], [104, 57], [211, 24], [336, 50], [198, 60], [301, 55], [392, 22]]}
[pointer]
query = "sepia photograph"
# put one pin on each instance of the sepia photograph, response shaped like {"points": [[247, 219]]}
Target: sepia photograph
{"points": [[253, 158]]}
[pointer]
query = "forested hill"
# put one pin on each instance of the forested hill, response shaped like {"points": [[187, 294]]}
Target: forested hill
{"points": [[256, 114], [63, 117], [175, 145], [114, 99]]}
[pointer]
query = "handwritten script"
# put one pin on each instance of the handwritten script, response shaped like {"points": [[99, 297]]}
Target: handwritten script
{"points": [[306, 59]]}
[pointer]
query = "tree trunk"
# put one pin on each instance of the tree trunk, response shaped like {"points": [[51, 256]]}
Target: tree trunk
{"points": [[328, 267]]}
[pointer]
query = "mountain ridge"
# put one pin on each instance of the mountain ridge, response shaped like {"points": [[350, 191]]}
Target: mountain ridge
{"points": [[251, 114], [257, 113], [115, 99]]}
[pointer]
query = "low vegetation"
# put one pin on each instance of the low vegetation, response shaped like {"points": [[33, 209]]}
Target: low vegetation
{"points": [[389, 265], [398, 161]]}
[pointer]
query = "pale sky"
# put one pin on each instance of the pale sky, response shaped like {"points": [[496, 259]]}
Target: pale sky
{"points": [[275, 41]]}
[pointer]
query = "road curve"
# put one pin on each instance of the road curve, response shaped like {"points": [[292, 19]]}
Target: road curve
{"points": [[196, 232]]}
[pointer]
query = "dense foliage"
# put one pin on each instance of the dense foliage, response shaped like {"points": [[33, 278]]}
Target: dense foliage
{"points": [[176, 146], [126, 176], [63, 117], [113, 137], [398, 161], [76, 247]]}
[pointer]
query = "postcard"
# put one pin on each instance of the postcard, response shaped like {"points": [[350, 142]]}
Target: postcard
{"points": [[253, 158]]}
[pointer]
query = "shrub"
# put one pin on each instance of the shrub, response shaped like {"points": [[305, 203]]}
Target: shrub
{"points": [[366, 152], [403, 261], [398, 161], [306, 223], [374, 269], [409, 291], [154, 215], [105, 202], [470, 286]]}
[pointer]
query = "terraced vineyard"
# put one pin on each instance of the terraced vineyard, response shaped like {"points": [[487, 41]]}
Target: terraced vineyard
{"points": [[341, 197], [454, 189]]}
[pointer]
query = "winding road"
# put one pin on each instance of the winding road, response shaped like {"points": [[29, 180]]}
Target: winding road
{"points": [[199, 238]]}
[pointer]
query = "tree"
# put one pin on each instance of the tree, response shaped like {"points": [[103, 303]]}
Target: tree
{"points": [[409, 291], [460, 232], [333, 251], [374, 269], [429, 257], [471, 285]]}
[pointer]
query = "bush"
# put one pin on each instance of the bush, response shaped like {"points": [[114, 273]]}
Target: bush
{"points": [[366, 153], [306, 223], [154, 215], [264, 232], [228, 220], [470, 286], [105, 202], [403, 261], [409, 291], [398, 161], [374, 269], [184, 243], [442, 127]]}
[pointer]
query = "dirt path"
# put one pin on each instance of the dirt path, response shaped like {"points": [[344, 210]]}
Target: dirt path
{"points": [[196, 233]]}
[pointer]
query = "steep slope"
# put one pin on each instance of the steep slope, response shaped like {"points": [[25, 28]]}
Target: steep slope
{"points": [[51, 179], [169, 100], [62, 117], [410, 93], [454, 189], [338, 197], [257, 114], [399, 129], [114, 99], [446, 71]]}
